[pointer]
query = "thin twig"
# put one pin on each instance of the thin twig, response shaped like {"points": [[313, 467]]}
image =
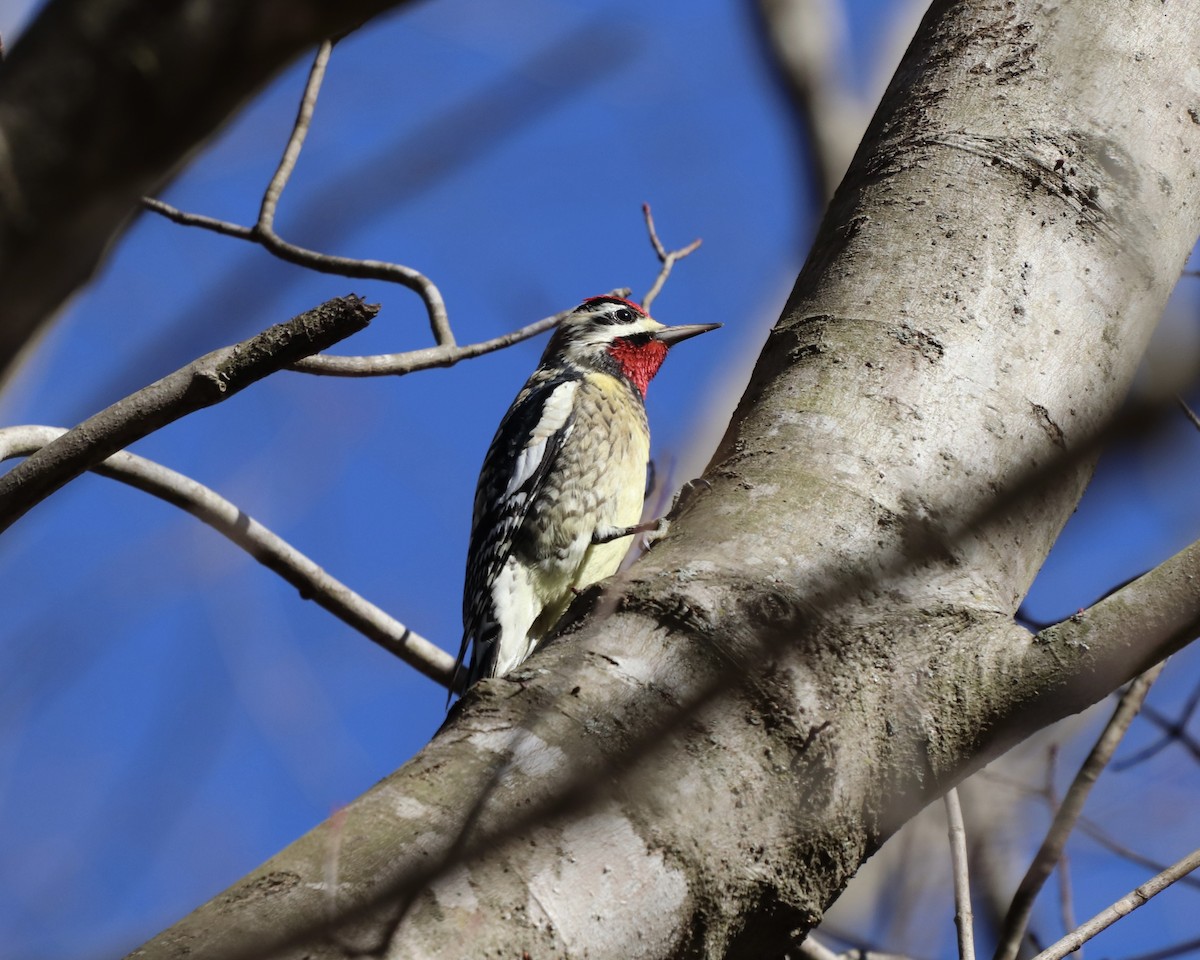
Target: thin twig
{"points": [[312, 260], [666, 257], [399, 364], [812, 949], [264, 546], [1126, 905], [1091, 829], [1017, 919], [1188, 411], [1175, 950], [1175, 730], [202, 383], [263, 232], [175, 215], [291, 152], [963, 918], [1066, 898]]}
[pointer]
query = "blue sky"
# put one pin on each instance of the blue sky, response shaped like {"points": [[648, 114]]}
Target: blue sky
{"points": [[171, 714]]}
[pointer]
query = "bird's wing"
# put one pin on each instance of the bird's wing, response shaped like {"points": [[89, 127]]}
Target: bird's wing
{"points": [[514, 471]]}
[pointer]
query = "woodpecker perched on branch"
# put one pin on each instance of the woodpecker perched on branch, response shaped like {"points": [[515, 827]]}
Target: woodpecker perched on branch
{"points": [[563, 482]]}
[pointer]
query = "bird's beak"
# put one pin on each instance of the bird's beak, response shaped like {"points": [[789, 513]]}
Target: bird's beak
{"points": [[670, 335]]}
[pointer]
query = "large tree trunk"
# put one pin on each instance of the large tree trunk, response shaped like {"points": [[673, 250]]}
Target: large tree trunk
{"points": [[975, 305]]}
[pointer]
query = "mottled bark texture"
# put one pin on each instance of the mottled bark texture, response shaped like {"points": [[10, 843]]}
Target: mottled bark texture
{"points": [[976, 302], [100, 101]]}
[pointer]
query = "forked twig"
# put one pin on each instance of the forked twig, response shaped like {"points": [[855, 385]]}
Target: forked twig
{"points": [[1173, 731], [263, 232], [666, 257], [446, 353]]}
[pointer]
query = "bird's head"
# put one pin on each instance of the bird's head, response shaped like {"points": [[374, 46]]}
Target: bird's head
{"points": [[617, 336]]}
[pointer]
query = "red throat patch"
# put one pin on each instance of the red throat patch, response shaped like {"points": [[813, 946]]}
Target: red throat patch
{"points": [[638, 361]]}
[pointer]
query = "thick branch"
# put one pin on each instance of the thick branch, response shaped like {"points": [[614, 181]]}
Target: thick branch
{"points": [[269, 549], [899, 393], [202, 383]]}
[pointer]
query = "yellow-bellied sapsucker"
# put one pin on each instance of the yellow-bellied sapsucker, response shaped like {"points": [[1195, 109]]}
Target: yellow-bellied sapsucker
{"points": [[565, 473]]}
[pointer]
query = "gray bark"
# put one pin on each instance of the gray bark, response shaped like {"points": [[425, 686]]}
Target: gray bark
{"points": [[975, 305], [100, 101]]}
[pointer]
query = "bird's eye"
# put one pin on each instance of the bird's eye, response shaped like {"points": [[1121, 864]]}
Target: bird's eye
{"points": [[625, 315]]}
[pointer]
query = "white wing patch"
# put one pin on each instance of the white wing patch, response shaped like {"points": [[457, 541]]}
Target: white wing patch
{"points": [[516, 605], [555, 412]]}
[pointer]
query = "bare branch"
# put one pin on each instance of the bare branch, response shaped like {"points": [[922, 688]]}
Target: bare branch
{"points": [[812, 949], [1174, 731], [263, 232], [1066, 897], [264, 546], [963, 917], [1094, 831], [410, 361], [1091, 829], [446, 353], [1017, 920], [1126, 905], [291, 152], [1167, 952], [83, 141], [665, 257], [1188, 411], [202, 383]]}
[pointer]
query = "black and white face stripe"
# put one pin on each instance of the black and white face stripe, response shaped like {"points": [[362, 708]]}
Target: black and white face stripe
{"points": [[584, 336], [620, 315], [611, 310]]}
